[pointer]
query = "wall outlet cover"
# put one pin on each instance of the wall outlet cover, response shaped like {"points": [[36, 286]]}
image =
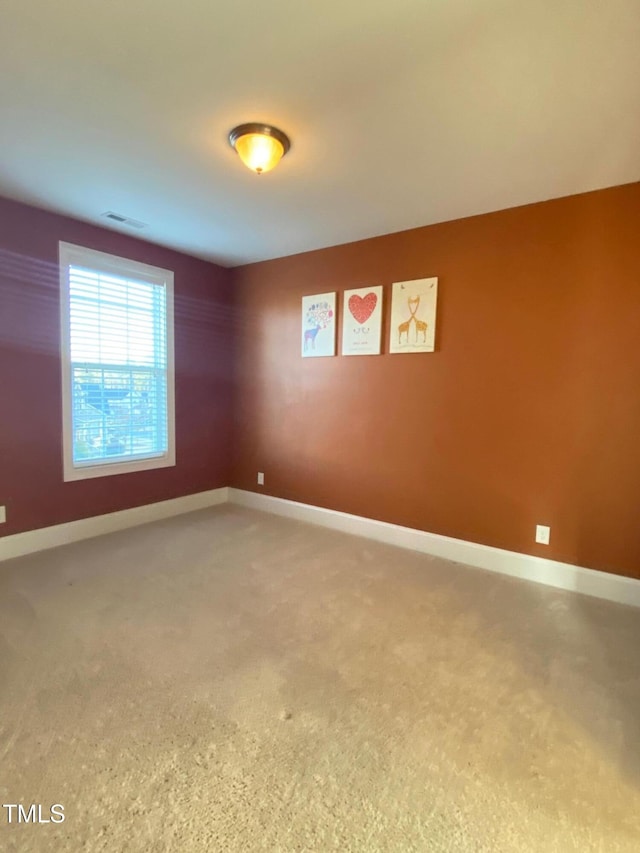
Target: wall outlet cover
{"points": [[260, 478], [542, 534]]}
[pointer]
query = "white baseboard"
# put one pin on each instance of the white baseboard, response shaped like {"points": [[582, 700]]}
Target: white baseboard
{"points": [[561, 575], [19, 544]]}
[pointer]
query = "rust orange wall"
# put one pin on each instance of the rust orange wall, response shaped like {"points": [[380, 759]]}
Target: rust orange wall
{"points": [[528, 412]]}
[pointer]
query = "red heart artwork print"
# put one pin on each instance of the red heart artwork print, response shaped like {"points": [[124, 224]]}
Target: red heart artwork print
{"points": [[362, 307]]}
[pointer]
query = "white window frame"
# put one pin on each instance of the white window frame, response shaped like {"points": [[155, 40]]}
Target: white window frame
{"points": [[72, 255]]}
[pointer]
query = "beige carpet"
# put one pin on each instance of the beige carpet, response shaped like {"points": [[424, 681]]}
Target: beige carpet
{"points": [[231, 681]]}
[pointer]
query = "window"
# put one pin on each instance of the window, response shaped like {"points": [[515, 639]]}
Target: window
{"points": [[117, 364]]}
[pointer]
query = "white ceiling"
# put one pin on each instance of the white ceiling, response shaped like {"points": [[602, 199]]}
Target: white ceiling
{"points": [[401, 112]]}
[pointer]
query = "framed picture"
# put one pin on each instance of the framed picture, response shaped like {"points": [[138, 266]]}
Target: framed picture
{"points": [[318, 325], [413, 315], [362, 321]]}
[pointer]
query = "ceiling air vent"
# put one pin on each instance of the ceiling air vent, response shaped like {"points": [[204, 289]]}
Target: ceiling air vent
{"points": [[123, 220]]}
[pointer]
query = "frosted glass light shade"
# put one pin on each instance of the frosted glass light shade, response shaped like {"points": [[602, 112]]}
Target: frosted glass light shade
{"points": [[259, 146], [260, 153]]}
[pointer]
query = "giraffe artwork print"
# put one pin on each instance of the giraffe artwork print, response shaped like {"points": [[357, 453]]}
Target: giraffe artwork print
{"points": [[413, 315]]}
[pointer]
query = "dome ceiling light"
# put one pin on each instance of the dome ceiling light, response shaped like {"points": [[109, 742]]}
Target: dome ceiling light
{"points": [[259, 146]]}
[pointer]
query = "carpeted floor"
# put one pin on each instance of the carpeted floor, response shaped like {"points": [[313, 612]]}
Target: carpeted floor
{"points": [[232, 681]]}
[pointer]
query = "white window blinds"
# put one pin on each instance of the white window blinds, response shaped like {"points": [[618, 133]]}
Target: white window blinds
{"points": [[118, 364]]}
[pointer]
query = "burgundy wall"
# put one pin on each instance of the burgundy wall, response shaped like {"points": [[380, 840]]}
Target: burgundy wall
{"points": [[31, 484], [528, 412]]}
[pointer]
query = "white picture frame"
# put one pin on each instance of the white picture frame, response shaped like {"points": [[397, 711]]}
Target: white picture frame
{"points": [[413, 316], [362, 321], [318, 325]]}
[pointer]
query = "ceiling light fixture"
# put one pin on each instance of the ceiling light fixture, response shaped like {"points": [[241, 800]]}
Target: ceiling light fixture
{"points": [[259, 146]]}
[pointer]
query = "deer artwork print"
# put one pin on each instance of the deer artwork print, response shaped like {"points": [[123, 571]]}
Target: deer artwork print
{"points": [[310, 337], [318, 325], [413, 316]]}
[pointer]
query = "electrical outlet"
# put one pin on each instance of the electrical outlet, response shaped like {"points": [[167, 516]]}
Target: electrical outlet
{"points": [[260, 478], [542, 534], [3, 514]]}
